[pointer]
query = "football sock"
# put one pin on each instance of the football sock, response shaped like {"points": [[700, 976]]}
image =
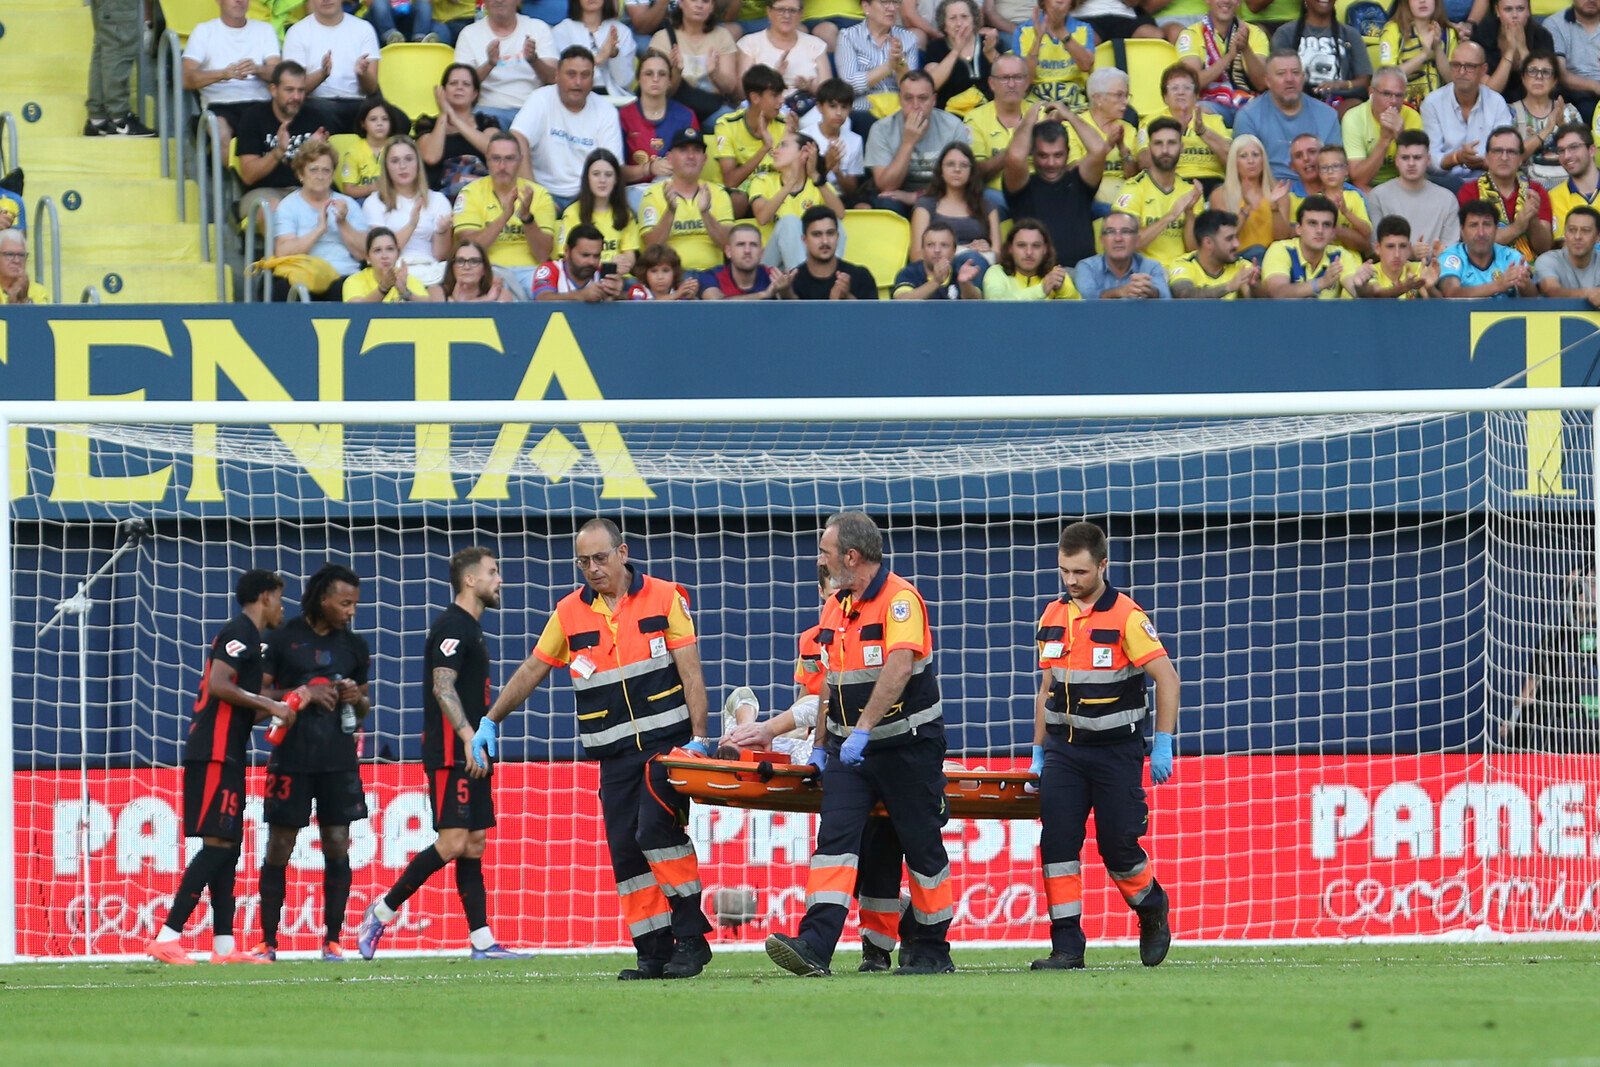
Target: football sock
{"points": [[423, 865], [222, 885], [482, 938], [196, 877], [336, 891], [474, 899], [274, 878]]}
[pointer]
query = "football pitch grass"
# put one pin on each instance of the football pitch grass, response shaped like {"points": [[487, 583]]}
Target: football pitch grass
{"points": [[1355, 1004]]}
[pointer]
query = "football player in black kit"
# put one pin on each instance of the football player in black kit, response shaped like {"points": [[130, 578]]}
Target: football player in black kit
{"points": [[213, 767], [455, 686], [317, 759]]}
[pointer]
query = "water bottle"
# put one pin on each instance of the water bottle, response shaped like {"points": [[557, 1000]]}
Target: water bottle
{"points": [[278, 729], [347, 711]]}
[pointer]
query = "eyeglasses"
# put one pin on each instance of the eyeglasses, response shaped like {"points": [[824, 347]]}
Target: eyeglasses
{"points": [[1009, 77], [783, 11], [467, 261], [1454, 65], [1119, 233], [14, 255], [1332, 168], [599, 559], [1537, 72]]}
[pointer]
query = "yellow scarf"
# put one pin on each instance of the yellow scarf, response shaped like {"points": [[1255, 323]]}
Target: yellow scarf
{"points": [[1487, 191]]}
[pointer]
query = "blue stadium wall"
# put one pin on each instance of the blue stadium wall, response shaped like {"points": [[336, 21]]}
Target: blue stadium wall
{"points": [[1266, 686]]}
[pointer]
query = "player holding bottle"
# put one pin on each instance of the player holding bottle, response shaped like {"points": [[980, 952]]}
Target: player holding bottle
{"points": [[214, 757]]}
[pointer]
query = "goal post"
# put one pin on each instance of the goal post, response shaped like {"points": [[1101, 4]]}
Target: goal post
{"points": [[1381, 606]]}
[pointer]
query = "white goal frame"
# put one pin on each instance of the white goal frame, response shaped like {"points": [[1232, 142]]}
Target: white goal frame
{"points": [[732, 411]]}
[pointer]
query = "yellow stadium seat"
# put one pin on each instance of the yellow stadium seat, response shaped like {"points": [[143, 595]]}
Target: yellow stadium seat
{"points": [[408, 73], [878, 241], [1146, 59], [184, 15]]}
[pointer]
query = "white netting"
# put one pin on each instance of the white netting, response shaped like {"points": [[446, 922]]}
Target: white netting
{"points": [[1352, 602]]}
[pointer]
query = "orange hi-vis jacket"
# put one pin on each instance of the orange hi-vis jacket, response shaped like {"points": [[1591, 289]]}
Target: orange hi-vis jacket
{"points": [[856, 635], [629, 692], [808, 669], [1096, 661]]}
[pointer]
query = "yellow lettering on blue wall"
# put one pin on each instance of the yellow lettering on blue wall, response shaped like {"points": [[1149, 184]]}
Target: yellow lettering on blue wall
{"points": [[1542, 346], [430, 341], [559, 360], [76, 340], [217, 350]]}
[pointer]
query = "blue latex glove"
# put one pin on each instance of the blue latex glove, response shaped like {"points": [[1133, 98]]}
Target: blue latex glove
{"points": [[1161, 758], [819, 758], [854, 749], [699, 748], [1036, 768], [485, 741]]}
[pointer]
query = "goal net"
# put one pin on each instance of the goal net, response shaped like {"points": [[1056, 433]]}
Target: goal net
{"points": [[1384, 622]]}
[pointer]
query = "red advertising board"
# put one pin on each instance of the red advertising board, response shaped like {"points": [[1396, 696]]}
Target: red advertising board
{"points": [[1249, 847]]}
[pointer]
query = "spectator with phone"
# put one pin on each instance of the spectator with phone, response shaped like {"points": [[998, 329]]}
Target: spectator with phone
{"points": [[579, 274]]}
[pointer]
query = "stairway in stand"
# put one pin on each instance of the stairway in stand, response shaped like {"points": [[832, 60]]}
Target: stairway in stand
{"points": [[119, 218]]}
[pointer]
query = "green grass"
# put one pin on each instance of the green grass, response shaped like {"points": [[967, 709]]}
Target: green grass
{"points": [[1463, 1003]]}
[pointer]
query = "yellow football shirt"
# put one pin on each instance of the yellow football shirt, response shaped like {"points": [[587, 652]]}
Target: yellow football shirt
{"points": [[990, 138], [1144, 200], [365, 281], [1196, 159], [1411, 271], [766, 186], [1287, 259], [1355, 205], [1187, 268], [476, 207], [359, 165], [1563, 198], [1058, 76], [1392, 51], [1360, 130], [1192, 42], [616, 241], [689, 239], [736, 142], [1111, 183]]}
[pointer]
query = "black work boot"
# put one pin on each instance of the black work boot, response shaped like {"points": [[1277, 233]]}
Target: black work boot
{"points": [[1058, 961], [795, 956], [874, 960], [647, 969], [1155, 936], [689, 958]]}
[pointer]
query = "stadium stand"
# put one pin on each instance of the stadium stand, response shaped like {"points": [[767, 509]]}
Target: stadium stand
{"points": [[120, 227]]}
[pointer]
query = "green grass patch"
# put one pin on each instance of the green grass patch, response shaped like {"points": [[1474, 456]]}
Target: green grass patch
{"points": [[1461, 1003]]}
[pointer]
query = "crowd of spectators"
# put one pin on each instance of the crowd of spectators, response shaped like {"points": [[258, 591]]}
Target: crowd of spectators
{"points": [[715, 149]]}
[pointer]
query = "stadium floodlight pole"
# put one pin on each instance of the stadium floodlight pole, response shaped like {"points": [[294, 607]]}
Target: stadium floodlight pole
{"points": [[79, 605], [8, 763]]}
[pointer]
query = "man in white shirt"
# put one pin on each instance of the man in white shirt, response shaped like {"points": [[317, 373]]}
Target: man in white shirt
{"points": [[228, 60], [1458, 117], [340, 54], [513, 54], [562, 123]]}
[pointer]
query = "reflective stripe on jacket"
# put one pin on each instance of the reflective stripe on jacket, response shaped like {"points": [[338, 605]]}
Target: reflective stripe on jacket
{"points": [[634, 696]]}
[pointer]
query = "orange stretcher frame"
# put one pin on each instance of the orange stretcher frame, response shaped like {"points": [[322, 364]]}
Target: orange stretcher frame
{"points": [[767, 781]]}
